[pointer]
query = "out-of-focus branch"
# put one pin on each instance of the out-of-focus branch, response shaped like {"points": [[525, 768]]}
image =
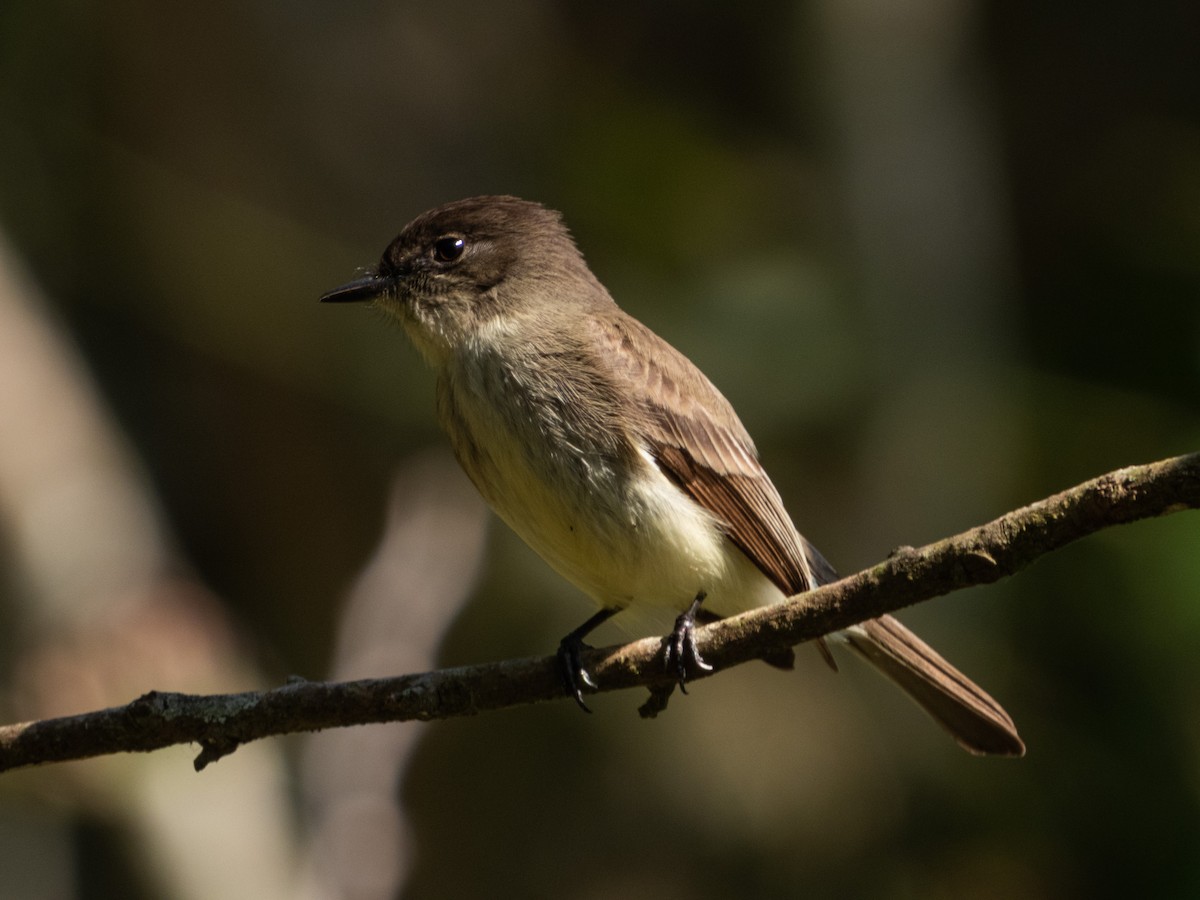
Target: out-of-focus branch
{"points": [[396, 614], [220, 723], [105, 604]]}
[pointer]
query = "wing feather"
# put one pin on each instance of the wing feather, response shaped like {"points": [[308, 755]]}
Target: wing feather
{"points": [[698, 442]]}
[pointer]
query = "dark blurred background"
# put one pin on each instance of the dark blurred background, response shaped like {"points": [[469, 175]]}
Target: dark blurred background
{"points": [[944, 258]]}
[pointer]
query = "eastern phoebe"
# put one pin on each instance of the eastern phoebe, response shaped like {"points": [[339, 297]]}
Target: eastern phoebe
{"points": [[610, 453]]}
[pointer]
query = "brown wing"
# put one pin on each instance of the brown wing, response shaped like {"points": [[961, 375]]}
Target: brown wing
{"points": [[698, 442]]}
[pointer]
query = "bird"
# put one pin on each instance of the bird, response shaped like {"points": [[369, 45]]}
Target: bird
{"points": [[611, 454]]}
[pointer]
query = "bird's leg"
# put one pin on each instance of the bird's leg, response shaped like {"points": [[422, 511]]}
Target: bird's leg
{"points": [[574, 675], [681, 644]]}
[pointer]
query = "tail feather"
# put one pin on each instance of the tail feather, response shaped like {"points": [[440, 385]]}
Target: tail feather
{"points": [[975, 720]]}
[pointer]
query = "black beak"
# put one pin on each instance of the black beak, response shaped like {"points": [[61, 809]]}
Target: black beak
{"points": [[359, 291]]}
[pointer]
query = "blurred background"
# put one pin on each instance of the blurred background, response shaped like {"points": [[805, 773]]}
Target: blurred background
{"points": [[944, 258]]}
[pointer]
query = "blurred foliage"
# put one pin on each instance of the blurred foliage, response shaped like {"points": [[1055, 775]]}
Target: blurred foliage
{"points": [[944, 260]]}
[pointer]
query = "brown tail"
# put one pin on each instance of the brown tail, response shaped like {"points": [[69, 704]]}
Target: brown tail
{"points": [[975, 720]]}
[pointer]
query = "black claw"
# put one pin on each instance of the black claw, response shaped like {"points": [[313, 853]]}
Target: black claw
{"points": [[575, 677], [681, 651]]}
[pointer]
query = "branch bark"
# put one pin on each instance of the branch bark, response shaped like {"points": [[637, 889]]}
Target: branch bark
{"points": [[220, 723]]}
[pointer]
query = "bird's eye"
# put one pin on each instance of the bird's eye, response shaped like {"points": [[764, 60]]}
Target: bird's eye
{"points": [[448, 249]]}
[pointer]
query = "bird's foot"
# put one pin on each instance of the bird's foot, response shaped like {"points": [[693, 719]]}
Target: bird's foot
{"points": [[681, 651], [575, 677]]}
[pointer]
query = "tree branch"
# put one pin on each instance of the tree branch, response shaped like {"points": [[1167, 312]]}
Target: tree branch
{"points": [[219, 723]]}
